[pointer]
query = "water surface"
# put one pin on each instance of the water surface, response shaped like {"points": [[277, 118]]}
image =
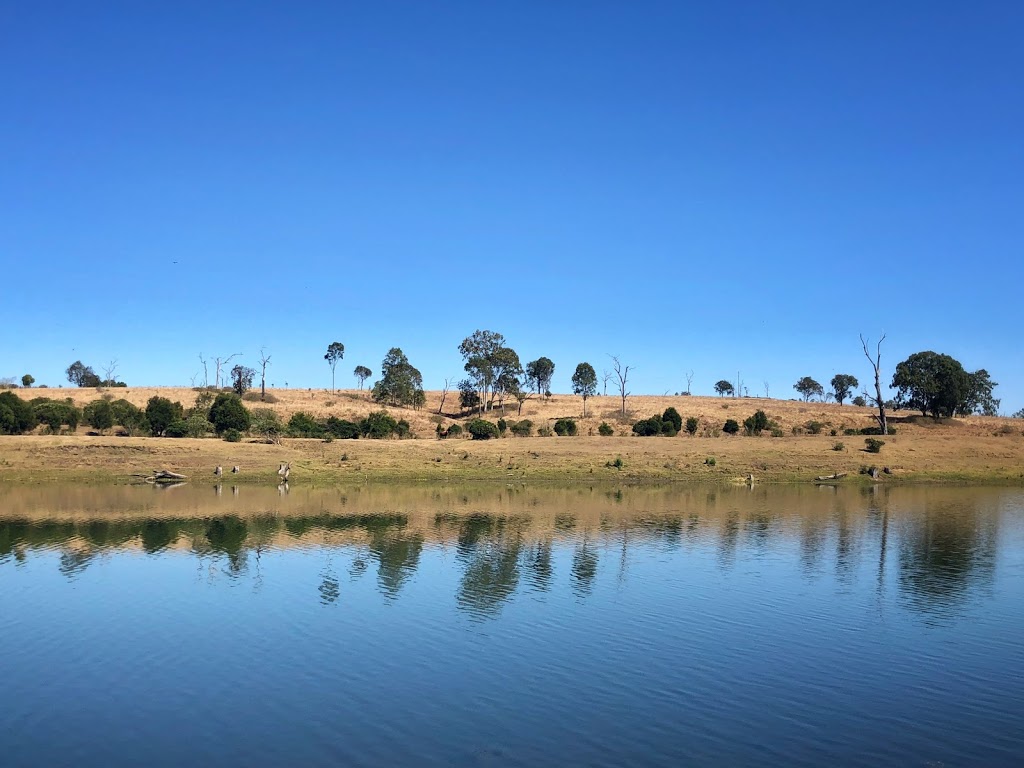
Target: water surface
{"points": [[500, 626]]}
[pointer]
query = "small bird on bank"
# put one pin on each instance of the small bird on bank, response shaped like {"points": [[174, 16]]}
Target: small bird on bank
{"points": [[235, 470], [218, 471]]}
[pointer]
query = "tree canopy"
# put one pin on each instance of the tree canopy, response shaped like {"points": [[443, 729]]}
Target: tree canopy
{"points": [[842, 385], [82, 375], [539, 373], [937, 385], [724, 388], [362, 373], [335, 352], [808, 388], [584, 383], [400, 382]]}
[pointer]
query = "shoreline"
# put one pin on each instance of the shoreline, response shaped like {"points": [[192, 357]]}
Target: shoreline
{"points": [[32, 459]]}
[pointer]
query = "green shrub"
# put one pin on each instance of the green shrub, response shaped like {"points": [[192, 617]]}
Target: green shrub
{"points": [[402, 429], [648, 427], [877, 430], [98, 415], [55, 414], [814, 427], [838, 446], [777, 432], [454, 430], [710, 461], [566, 428], [859, 401], [672, 416], [302, 424], [232, 435], [378, 425], [481, 429], [176, 428], [522, 428], [605, 429], [873, 445], [502, 426], [668, 429], [731, 427], [692, 425], [616, 463], [197, 425], [228, 412], [161, 413], [756, 424], [341, 428], [129, 417], [848, 432], [544, 431]]}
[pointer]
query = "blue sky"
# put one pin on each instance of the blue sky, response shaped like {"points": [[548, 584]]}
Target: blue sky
{"points": [[719, 187]]}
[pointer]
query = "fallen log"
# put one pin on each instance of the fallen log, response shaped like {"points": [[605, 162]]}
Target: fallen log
{"points": [[835, 476]]}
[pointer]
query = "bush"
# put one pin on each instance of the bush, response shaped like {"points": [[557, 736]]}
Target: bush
{"points": [[710, 461], [756, 424], [502, 426], [454, 430], [99, 415], [403, 429], [232, 435], [566, 427], [161, 413], [341, 428], [617, 463], [228, 412], [197, 425], [873, 445], [522, 428], [877, 430], [838, 446], [605, 429], [176, 428], [480, 429], [731, 427], [672, 417], [648, 427], [55, 414], [668, 429], [378, 425], [859, 401], [777, 432], [814, 427], [302, 424], [254, 397], [130, 417], [848, 432], [266, 423], [544, 431], [692, 425]]}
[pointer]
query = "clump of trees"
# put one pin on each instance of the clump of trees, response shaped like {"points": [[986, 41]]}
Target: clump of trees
{"points": [[401, 383], [565, 428], [668, 424], [937, 385]]}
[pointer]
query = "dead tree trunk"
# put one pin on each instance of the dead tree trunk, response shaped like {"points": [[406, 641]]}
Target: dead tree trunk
{"points": [[876, 363]]}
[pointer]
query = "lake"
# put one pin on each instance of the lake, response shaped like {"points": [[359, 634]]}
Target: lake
{"points": [[493, 626]]}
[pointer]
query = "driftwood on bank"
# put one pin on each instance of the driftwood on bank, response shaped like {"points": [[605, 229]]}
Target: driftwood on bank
{"points": [[835, 476], [162, 476]]}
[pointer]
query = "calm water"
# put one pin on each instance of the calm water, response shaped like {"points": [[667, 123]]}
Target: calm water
{"points": [[499, 627]]}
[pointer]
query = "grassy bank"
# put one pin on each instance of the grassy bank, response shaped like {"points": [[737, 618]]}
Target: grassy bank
{"points": [[927, 456]]}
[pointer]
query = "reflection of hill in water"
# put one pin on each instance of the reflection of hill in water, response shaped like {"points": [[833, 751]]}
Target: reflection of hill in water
{"points": [[942, 542]]}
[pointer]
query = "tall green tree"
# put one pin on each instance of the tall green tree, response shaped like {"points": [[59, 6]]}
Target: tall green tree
{"points": [[228, 412], [936, 384], [362, 373], [400, 382], [82, 375], [842, 385], [490, 364], [724, 387], [28, 380], [241, 379], [808, 388], [335, 352], [979, 398], [99, 415], [584, 383], [161, 412], [539, 373]]}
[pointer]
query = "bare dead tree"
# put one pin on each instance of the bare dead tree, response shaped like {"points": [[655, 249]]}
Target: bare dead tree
{"points": [[194, 377], [264, 362], [766, 390], [206, 373], [606, 376], [876, 363], [109, 371], [219, 362], [689, 380], [444, 392], [622, 374]]}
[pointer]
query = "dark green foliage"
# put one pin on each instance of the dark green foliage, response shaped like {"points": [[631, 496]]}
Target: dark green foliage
{"points": [[335, 352], [160, 412], [362, 373], [710, 461], [266, 423], [502, 426], [82, 375], [130, 417], [842, 385], [876, 431], [241, 379], [378, 425], [228, 412], [523, 428], [814, 427], [756, 424], [232, 435], [55, 414], [341, 429], [99, 414], [454, 430], [197, 425], [566, 428], [648, 427], [301, 424], [616, 463], [8, 421], [605, 429], [873, 445], [584, 383], [672, 415], [177, 428], [731, 427], [935, 384], [808, 388], [539, 373], [724, 388], [480, 429], [859, 401], [979, 395], [403, 429], [668, 429], [851, 432], [400, 383], [692, 424], [27, 380]]}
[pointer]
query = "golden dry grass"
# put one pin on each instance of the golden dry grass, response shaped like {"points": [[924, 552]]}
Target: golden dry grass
{"points": [[963, 449]]}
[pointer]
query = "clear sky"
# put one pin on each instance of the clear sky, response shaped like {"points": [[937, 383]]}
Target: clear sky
{"points": [[723, 187]]}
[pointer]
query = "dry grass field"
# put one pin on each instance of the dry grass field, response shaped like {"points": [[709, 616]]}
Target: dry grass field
{"points": [[970, 449]]}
